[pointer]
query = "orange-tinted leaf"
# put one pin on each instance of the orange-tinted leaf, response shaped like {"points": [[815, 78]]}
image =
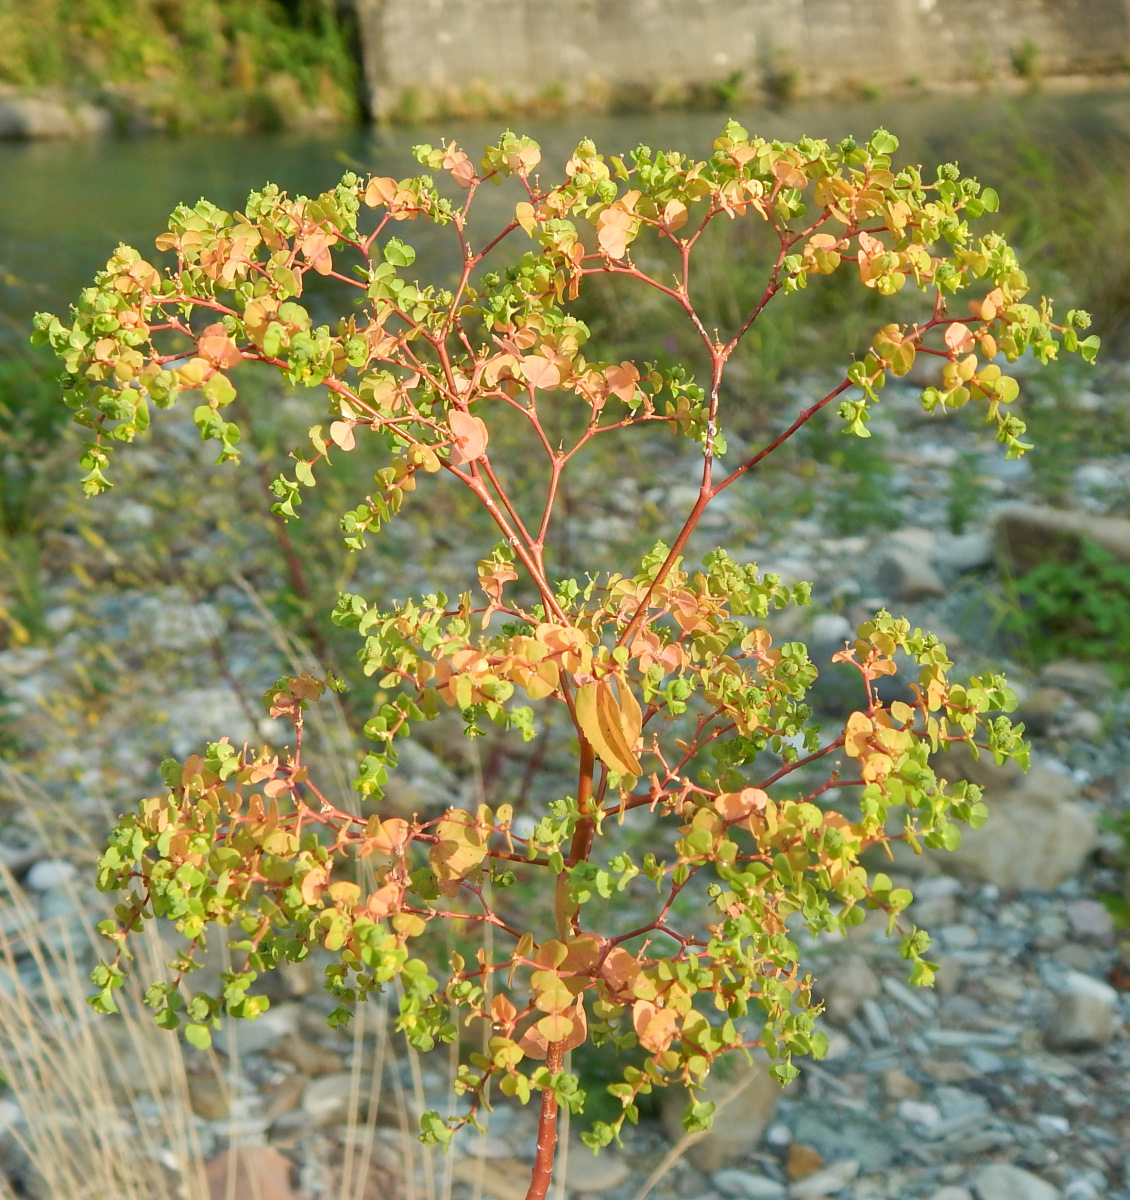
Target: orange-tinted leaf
{"points": [[384, 901], [620, 971], [622, 380], [502, 1011], [380, 191], [734, 806], [461, 848], [614, 230], [470, 437], [389, 837], [674, 215], [856, 733], [535, 1043], [314, 884], [541, 372], [316, 250], [789, 176], [341, 434], [655, 1027], [958, 338], [217, 347]]}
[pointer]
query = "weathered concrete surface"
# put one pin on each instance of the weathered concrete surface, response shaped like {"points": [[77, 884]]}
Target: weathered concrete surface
{"points": [[427, 57]]}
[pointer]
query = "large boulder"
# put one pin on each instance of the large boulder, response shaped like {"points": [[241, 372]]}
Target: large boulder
{"points": [[1037, 835], [1030, 534], [48, 115], [746, 1096]]}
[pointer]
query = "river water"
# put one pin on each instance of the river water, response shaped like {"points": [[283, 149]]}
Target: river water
{"points": [[65, 205]]}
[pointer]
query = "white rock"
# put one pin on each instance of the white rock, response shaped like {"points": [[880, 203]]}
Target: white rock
{"points": [[1086, 1015], [50, 875], [1082, 725], [917, 1112], [744, 1185], [956, 554], [825, 1182], [1002, 1181], [326, 1099], [831, 627], [952, 1193]]}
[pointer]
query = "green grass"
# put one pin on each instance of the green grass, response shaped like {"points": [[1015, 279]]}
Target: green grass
{"points": [[184, 64]]}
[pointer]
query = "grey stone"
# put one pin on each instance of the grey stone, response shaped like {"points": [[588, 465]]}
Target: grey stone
{"points": [[50, 874], [1077, 676], [744, 1185], [1090, 920], [919, 1001], [825, 1182], [876, 1021], [906, 575], [845, 985], [831, 628], [47, 115], [1003, 1181], [955, 554], [840, 1133], [1082, 725], [1030, 534], [746, 1095], [593, 1173], [1037, 835], [952, 1193], [253, 1037], [326, 1099], [1085, 1016]]}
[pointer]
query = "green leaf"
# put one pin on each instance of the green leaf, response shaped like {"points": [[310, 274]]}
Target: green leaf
{"points": [[399, 253], [199, 1036]]}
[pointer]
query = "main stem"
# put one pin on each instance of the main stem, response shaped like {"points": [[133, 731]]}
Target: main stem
{"points": [[542, 1175]]}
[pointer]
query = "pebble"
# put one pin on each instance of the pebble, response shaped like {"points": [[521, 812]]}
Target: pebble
{"points": [[1090, 920], [49, 875], [826, 1182], [1003, 1181], [845, 986], [1085, 1016], [898, 1085], [744, 1185], [802, 1161], [594, 1173]]}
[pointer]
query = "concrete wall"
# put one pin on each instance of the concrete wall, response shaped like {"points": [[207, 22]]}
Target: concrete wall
{"points": [[424, 57]]}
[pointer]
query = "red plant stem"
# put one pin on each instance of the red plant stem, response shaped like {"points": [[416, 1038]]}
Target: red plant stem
{"points": [[581, 846], [542, 1175]]}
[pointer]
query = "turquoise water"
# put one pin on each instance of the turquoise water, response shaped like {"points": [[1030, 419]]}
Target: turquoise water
{"points": [[64, 206]]}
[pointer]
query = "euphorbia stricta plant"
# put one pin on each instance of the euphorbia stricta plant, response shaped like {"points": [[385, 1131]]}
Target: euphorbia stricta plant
{"points": [[680, 703]]}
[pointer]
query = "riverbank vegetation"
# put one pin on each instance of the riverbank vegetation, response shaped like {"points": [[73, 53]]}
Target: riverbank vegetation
{"points": [[188, 64]]}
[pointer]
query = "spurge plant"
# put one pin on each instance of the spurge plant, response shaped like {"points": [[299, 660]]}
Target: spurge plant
{"points": [[684, 711]]}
